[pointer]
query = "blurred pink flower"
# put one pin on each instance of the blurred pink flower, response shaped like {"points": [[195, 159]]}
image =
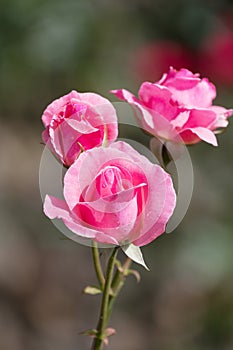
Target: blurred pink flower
{"points": [[178, 107], [78, 121], [216, 57], [151, 60], [114, 195]]}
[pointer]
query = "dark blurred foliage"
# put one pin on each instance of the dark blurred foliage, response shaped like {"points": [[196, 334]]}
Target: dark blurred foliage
{"points": [[48, 48]]}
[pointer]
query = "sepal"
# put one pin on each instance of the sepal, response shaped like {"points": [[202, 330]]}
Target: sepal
{"points": [[135, 254]]}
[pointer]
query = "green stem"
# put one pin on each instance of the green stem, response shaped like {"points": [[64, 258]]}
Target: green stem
{"points": [[118, 283], [97, 264], [98, 341], [120, 276]]}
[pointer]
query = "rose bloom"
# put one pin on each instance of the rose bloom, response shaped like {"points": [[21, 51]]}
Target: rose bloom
{"points": [[77, 122], [114, 196], [178, 107]]}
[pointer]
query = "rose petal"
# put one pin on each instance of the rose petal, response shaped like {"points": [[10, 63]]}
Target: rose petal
{"points": [[55, 106], [62, 139], [182, 79], [188, 89], [200, 118], [160, 210], [57, 208], [180, 120], [158, 98], [82, 127], [202, 133], [160, 187], [102, 219], [92, 162]]}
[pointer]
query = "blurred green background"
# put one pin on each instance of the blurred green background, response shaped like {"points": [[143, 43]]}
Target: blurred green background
{"points": [[48, 48]]}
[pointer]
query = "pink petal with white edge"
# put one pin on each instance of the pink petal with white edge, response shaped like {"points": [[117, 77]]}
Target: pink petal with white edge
{"points": [[57, 208], [200, 96], [182, 79], [148, 119], [62, 139], [158, 98], [194, 135], [189, 89], [159, 207], [220, 123], [125, 95], [180, 120], [46, 139], [222, 112], [155, 123], [200, 118], [102, 107], [104, 213], [105, 239], [206, 135], [45, 135], [55, 106], [82, 127], [118, 225]]}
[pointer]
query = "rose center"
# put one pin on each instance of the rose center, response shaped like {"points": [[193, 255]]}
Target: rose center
{"points": [[110, 182]]}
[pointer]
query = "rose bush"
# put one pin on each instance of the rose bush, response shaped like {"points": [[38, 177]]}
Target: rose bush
{"points": [[178, 107], [114, 195], [78, 121]]}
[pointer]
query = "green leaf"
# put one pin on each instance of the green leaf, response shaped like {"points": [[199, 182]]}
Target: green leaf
{"points": [[134, 253], [90, 332], [93, 290]]}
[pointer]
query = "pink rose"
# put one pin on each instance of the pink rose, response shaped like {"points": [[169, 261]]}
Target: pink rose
{"points": [[178, 107], [115, 196], [76, 122]]}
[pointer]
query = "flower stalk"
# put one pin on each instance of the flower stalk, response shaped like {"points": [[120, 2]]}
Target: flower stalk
{"points": [[104, 314], [97, 265], [118, 282]]}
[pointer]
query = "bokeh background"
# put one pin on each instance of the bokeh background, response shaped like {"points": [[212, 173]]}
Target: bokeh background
{"points": [[48, 48]]}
